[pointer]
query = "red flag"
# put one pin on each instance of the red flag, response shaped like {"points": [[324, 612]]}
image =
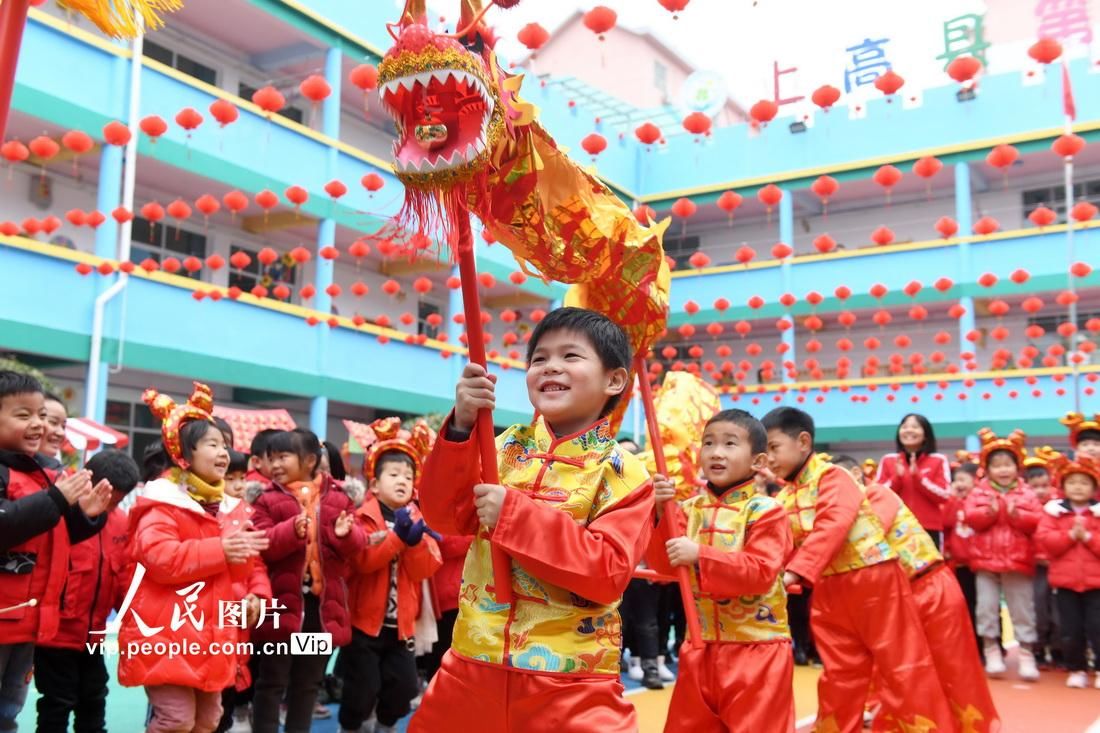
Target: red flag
{"points": [[1068, 105]]}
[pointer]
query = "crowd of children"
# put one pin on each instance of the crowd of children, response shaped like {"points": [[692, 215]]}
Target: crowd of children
{"points": [[507, 578]]}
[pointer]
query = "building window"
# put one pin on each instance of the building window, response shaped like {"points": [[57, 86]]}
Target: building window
{"points": [[283, 271], [425, 309], [1054, 197], [178, 61], [290, 112], [159, 241], [681, 249], [134, 419]]}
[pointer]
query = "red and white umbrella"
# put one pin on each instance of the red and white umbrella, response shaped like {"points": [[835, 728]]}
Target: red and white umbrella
{"points": [[86, 434]]}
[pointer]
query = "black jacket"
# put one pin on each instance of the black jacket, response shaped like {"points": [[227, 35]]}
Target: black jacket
{"points": [[38, 513]]}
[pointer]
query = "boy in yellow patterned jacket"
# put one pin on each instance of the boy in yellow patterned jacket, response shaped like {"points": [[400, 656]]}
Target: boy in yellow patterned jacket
{"points": [[574, 513], [863, 616], [742, 677]]}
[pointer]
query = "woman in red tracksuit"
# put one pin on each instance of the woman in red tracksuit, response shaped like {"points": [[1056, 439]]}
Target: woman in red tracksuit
{"points": [[1070, 535], [918, 474], [188, 556], [71, 680]]}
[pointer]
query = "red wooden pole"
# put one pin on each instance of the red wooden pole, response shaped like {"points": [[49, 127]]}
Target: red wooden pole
{"points": [[674, 524], [13, 18], [483, 429]]}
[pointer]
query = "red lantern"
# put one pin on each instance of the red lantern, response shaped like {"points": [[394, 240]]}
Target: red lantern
{"points": [[267, 256], [391, 287], [224, 111], [600, 20], [95, 218], [1045, 50], [770, 195], [14, 151], [824, 243], [943, 284], [882, 236], [987, 279], [152, 211], [825, 96], [267, 200], [1002, 156], [487, 281], [328, 252], [1080, 269], [335, 188], [207, 205], [878, 291], [684, 208], [44, 147], [215, 262], [889, 83], [645, 215], [764, 111], [756, 302], [843, 292], [1083, 211], [373, 182], [296, 195], [594, 143], [188, 118], [301, 255], [781, 250], [927, 167], [269, 99], [171, 265], [315, 88], [674, 6], [986, 226], [359, 249], [887, 176], [946, 226], [699, 260], [307, 292], [964, 68], [744, 254], [533, 36], [153, 126], [76, 217], [192, 264], [1067, 145], [77, 142], [179, 210], [517, 278], [824, 187], [364, 76], [1020, 276], [240, 260], [116, 133], [235, 201], [647, 133], [697, 123], [1042, 216], [422, 285], [728, 202]]}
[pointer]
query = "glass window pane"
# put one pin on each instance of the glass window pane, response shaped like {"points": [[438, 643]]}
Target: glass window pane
{"points": [[202, 72], [143, 417], [140, 441], [118, 413], [157, 52]]}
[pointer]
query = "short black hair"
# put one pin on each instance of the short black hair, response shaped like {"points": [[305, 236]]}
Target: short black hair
{"points": [[238, 462], [607, 338], [845, 462], [1036, 471], [191, 433], [789, 420], [117, 467], [299, 441], [972, 468], [929, 444], [51, 397], [260, 440], [227, 430], [154, 462], [1088, 435], [335, 461], [1006, 451], [758, 436], [13, 383], [393, 456]]}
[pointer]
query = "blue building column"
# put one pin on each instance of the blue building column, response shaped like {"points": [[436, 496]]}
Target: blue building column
{"points": [[964, 215], [786, 235], [326, 234]]}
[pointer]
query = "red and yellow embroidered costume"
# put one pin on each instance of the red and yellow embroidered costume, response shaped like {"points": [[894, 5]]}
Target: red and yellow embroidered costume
{"points": [[943, 613], [863, 611], [575, 521], [742, 677]]}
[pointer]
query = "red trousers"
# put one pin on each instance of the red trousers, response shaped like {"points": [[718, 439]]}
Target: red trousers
{"points": [[865, 619], [946, 620], [470, 695], [733, 687]]}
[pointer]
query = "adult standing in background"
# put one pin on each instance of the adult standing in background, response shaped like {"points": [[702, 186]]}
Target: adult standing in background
{"points": [[918, 474]]}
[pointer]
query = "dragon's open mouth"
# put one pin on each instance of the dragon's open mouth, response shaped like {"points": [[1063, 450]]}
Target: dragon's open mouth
{"points": [[442, 119]]}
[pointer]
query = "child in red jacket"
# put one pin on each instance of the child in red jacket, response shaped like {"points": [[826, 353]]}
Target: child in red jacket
{"points": [[1070, 535], [1004, 513], [386, 589], [957, 534], [175, 638], [70, 677], [314, 537], [34, 542]]}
